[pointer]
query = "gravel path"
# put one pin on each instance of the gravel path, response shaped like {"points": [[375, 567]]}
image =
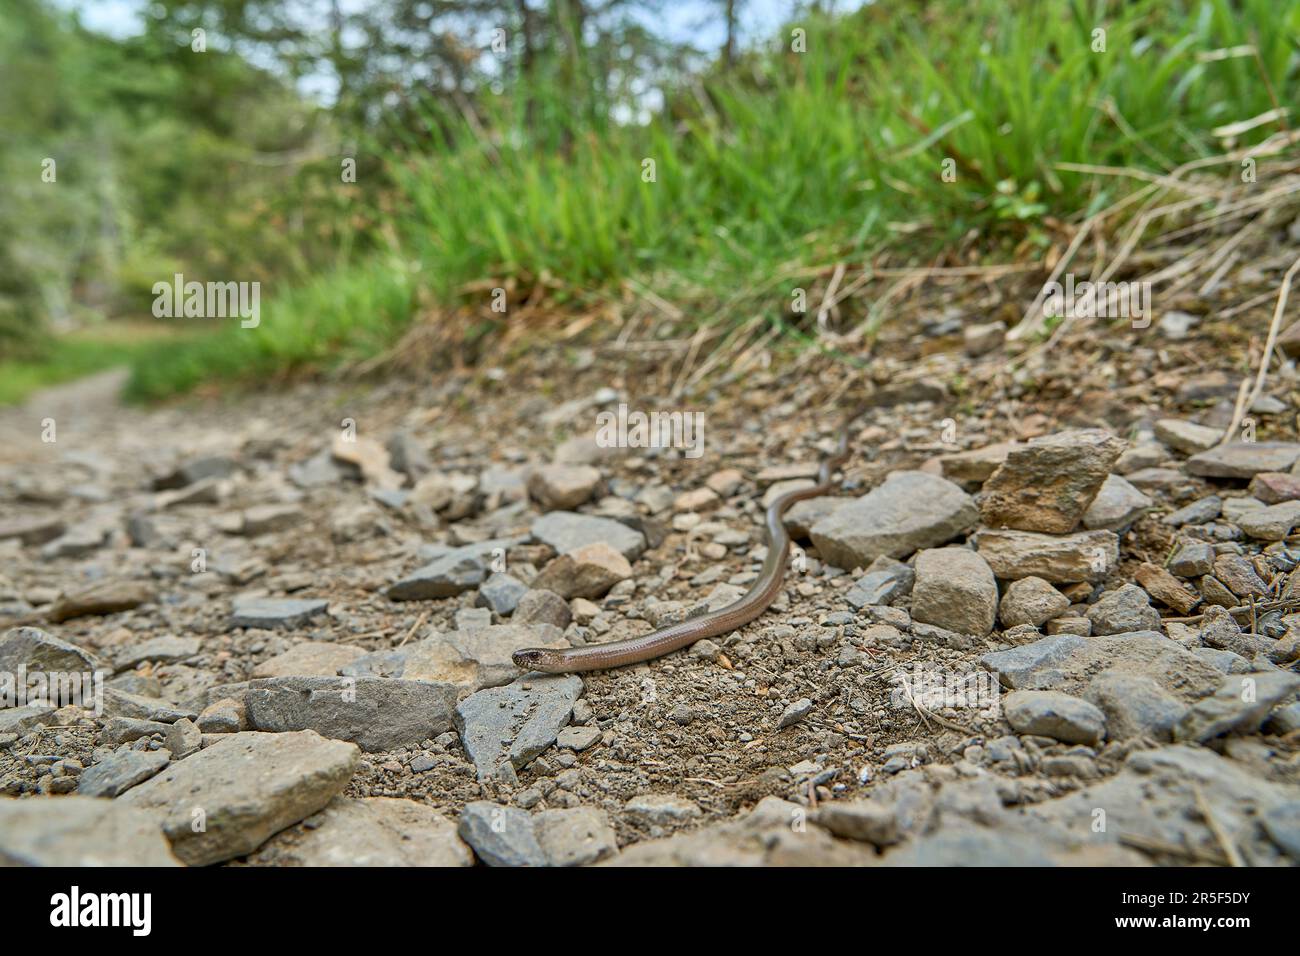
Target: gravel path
{"points": [[1043, 622]]}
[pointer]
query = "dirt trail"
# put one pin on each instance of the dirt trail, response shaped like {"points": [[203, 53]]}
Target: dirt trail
{"points": [[200, 513]]}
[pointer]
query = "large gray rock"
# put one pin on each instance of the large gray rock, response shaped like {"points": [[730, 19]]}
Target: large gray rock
{"points": [[911, 510], [275, 612], [1052, 714], [1122, 611], [374, 713], [768, 835], [884, 582], [228, 799], [566, 531], [1239, 706], [1068, 663], [1271, 523], [1244, 459], [1060, 559], [1135, 706], [469, 659], [1031, 601], [955, 589], [1160, 798], [500, 836], [79, 831], [1117, 505], [503, 728], [121, 772], [1047, 484], [459, 570], [577, 836], [372, 831], [35, 650]]}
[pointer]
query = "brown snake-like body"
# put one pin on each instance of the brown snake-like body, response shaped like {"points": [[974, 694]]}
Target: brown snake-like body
{"points": [[596, 657]]}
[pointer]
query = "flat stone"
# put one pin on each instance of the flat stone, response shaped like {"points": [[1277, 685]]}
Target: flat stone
{"points": [[499, 835], [955, 589], [563, 487], [539, 606], [1030, 664], [566, 531], [762, 837], [1135, 706], [1122, 611], [32, 529], [588, 571], [1193, 559], [1198, 512], [183, 738], [159, 650], [794, 713], [243, 789], [80, 831], [800, 517], [1239, 706], [1244, 459], [660, 810], [577, 738], [457, 571], [1239, 575], [1166, 588], [371, 831], [1031, 601], [123, 730], [885, 581], [1068, 663], [578, 836], [1060, 559], [118, 703], [1271, 523], [372, 712], [867, 821], [35, 650], [1117, 505], [275, 612], [226, 715], [1047, 484], [1159, 797], [29, 717], [1282, 824], [468, 659], [911, 510], [1050, 714], [501, 593], [106, 597], [309, 659], [195, 470], [504, 728], [1187, 437], [120, 772], [1273, 487]]}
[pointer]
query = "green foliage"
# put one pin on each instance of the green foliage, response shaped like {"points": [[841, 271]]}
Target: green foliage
{"points": [[841, 147], [342, 315]]}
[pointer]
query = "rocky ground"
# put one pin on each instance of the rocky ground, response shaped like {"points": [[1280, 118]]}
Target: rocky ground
{"points": [[1047, 619]]}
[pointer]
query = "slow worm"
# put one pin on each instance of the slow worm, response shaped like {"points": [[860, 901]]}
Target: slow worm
{"points": [[597, 657]]}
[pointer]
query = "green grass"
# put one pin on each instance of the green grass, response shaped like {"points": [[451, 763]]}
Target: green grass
{"points": [[73, 356], [348, 314], [793, 159]]}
